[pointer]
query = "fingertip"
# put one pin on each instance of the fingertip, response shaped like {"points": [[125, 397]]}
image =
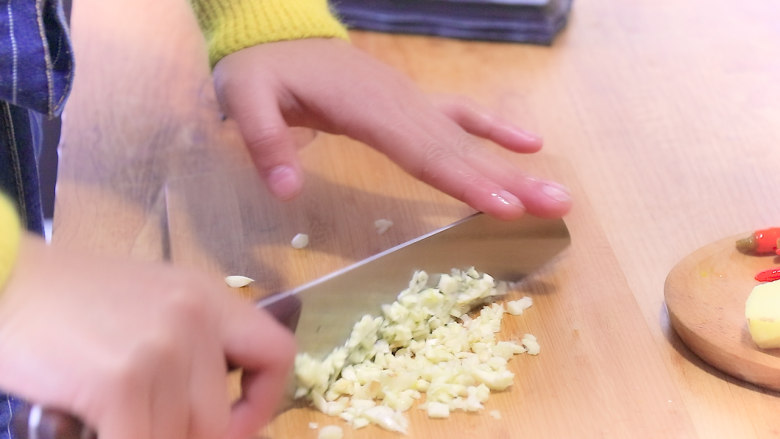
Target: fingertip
{"points": [[519, 140], [540, 198], [265, 351], [284, 181], [547, 199], [261, 394], [556, 192]]}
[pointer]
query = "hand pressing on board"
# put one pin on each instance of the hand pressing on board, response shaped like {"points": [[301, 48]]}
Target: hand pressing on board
{"points": [[329, 85]]}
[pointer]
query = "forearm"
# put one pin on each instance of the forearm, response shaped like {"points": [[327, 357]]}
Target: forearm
{"points": [[232, 25]]}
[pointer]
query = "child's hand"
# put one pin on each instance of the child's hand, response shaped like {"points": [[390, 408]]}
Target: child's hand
{"points": [[138, 351], [329, 85]]}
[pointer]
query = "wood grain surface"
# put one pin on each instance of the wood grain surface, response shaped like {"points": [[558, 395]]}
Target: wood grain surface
{"points": [[665, 112], [705, 296], [587, 363]]}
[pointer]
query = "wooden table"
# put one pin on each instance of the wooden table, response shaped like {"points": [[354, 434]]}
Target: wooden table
{"points": [[663, 116]]}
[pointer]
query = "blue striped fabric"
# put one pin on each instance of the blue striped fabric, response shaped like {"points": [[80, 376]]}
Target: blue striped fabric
{"points": [[7, 405], [36, 62], [36, 68]]}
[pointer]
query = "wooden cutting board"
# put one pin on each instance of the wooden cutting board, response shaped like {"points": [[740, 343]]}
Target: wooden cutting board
{"points": [[705, 295], [600, 372]]}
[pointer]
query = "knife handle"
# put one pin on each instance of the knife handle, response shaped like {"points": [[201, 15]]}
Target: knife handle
{"points": [[33, 421]]}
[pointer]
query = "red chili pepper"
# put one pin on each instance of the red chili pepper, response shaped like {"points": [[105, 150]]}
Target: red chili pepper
{"points": [[769, 275], [760, 242]]}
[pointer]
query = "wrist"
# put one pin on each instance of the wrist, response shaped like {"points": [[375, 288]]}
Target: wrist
{"points": [[10, 237]]}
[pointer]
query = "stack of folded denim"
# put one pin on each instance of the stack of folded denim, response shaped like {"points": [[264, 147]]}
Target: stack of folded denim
{"points": [[525, 21]]}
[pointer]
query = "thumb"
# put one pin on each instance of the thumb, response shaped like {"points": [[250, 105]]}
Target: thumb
{"points": [[271, 143]]}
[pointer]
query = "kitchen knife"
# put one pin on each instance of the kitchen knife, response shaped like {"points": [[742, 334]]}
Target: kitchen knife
{"points": [[323, 312], [327, 309]]}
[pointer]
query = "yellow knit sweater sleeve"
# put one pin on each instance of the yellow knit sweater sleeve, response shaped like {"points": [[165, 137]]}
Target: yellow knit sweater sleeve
{"points": [[232, 25], [10, 235]]}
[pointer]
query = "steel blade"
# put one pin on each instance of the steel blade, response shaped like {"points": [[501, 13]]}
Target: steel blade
{"points": [[324, 311]]}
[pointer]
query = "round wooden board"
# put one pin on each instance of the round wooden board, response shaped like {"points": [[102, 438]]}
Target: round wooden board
{"points": [[705, 296]]}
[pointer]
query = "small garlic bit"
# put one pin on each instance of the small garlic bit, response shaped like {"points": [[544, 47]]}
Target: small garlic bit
{"points": [[238, 281]]}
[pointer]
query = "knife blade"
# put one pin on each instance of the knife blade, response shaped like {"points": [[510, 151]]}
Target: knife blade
{"points": [[323, 312], [327, 308]]}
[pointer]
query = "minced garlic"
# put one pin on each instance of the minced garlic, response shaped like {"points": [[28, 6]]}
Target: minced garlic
{"points": [[424, 343]]}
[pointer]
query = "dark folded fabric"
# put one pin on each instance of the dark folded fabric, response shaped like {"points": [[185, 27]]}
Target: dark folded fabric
{"points": [[526, 21]]}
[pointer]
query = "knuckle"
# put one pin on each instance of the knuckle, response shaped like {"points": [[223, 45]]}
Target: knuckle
{"points": [[462, 102], [185, 308], [263, 139], [437, 159], [432, 166], [140, 363], [126, 375]]}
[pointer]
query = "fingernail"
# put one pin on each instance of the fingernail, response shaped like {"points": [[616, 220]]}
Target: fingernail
{"points": [[509, 199], [556, 192], [526, 135], [284, 182]]}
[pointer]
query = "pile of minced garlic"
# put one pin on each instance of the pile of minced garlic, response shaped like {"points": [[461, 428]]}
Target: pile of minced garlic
{"points": [[424, 343]]}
